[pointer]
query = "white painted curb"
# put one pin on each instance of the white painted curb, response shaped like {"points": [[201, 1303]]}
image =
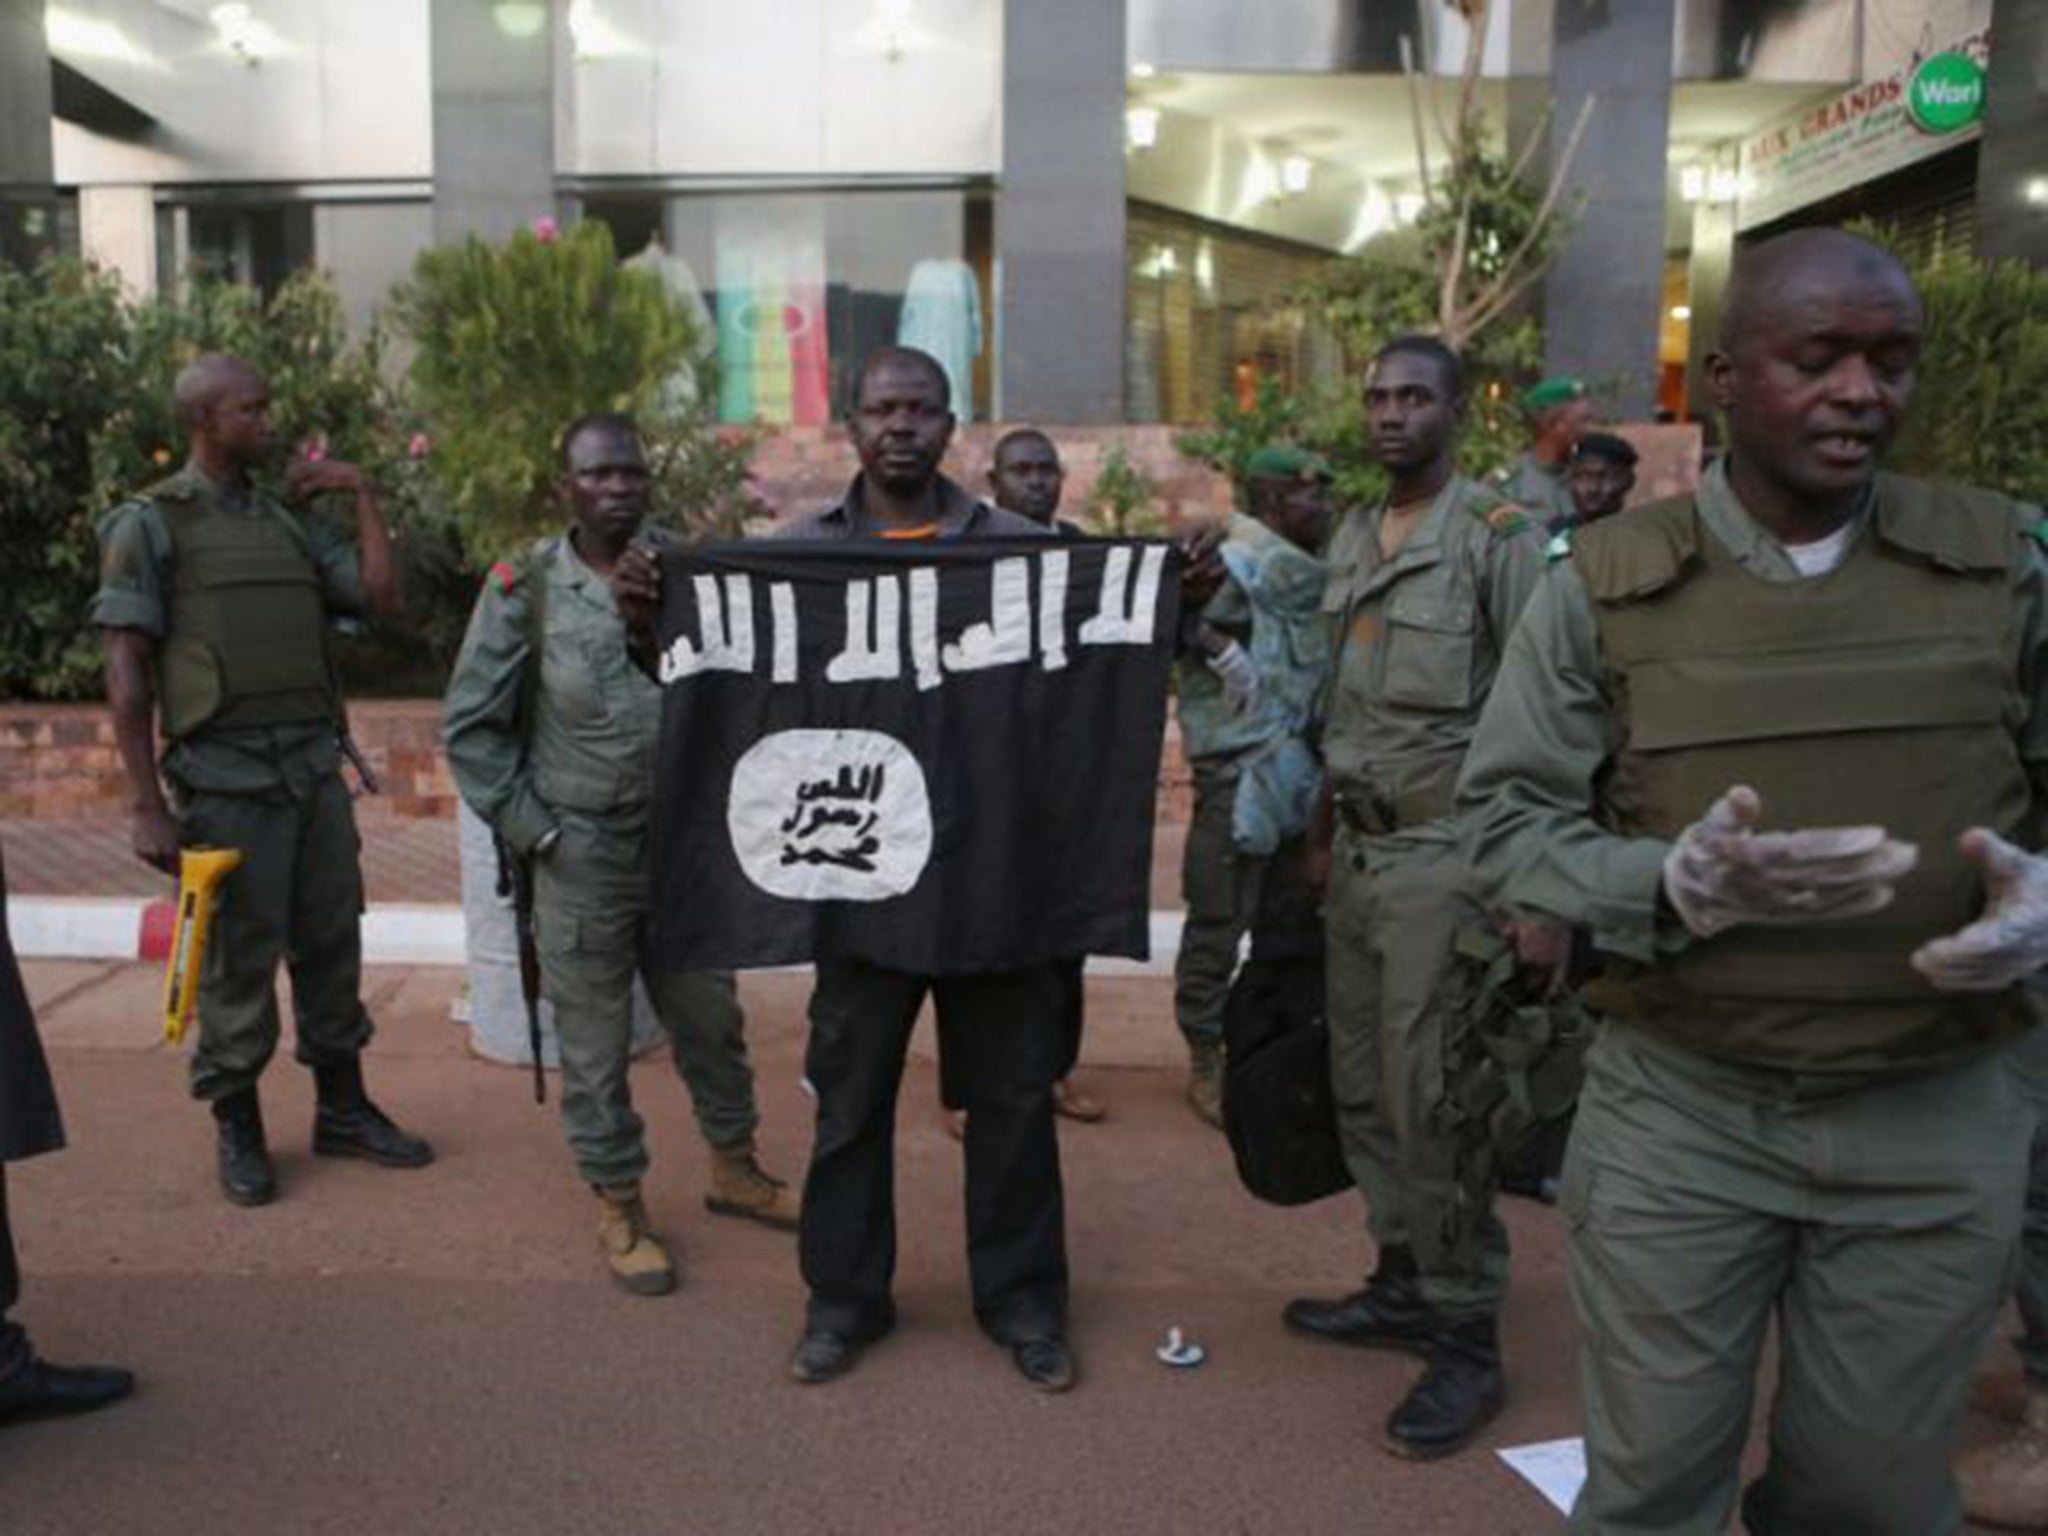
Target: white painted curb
{"points": [[394, 933]]}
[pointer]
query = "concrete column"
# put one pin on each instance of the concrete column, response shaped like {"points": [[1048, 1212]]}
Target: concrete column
{"points": [[117, 230], [1059, 217], [1602, 298], [494, 123], [27, 173], [2012, 165]]}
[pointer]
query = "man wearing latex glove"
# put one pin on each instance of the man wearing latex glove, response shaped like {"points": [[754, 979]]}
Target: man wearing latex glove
{"points": [[1245, 693], [1768, 744]]}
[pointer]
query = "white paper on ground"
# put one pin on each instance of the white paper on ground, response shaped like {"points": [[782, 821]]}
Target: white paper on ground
{"points": [[1557, 1468]]}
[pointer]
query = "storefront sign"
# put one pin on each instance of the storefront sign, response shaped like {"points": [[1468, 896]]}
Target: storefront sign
{"points": [[1868, 131]]}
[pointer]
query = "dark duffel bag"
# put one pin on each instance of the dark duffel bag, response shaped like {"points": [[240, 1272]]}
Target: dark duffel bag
{"points": [[1277, 1108]]}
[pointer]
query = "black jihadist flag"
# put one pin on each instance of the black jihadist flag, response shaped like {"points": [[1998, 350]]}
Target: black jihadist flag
{"points": [[937, 757]]}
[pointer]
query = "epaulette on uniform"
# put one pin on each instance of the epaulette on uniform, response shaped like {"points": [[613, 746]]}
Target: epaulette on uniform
{"points": [[1504, 517]]}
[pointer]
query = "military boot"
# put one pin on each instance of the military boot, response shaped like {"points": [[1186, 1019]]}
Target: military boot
{"points": [[740, 1187], [1458, 1395], [1388, 1314], [347, 1124], [638, 1261], [1205, 1080], [2006, 1483], [246, 1174]]}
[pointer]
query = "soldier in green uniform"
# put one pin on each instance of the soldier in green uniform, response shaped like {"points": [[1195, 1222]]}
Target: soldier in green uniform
{"points": [[1423, 592], [1246, 692], [1558, 413], [213, 609], [1769, 744], [551, 733]]}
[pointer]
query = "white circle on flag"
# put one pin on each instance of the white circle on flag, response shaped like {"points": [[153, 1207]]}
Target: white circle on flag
{"points": [[830, 815]]}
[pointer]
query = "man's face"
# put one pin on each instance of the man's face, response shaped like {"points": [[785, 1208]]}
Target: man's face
{"points": [[901, 426], [1599, 486], [1409, 414], [1816, 385], [1563, 425], [1027, 477], [606, 484], [1298, 510], [238, 421]]}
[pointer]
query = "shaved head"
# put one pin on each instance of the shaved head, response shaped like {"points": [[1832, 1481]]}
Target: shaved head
{"points": [[203, 382], [1778, 278]]}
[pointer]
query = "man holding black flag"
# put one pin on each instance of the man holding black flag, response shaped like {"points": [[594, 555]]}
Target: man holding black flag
{"points": [[873, 733], [551, 736]]}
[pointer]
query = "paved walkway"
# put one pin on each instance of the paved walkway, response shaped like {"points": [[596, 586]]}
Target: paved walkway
{"points": [[439, 1352]]}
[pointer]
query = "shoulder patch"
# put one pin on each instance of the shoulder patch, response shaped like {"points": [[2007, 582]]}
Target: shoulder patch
{"points": [[1507, 517], [1559, 547], [506, 578]]}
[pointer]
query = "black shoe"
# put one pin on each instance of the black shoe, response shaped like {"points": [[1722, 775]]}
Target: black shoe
{"points": [[822, 1355], [347, 1124], [1388, 1314], [247, 1176], [1458, 1395], [1047, 1364], [41, 1390]]}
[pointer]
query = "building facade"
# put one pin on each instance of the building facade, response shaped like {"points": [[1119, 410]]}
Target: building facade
{"points": [[1091, 211]]}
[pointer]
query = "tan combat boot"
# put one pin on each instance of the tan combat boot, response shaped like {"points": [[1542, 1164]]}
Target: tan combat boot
{"points": [[1205, 1080], [2006, 1483], [638, 1261], [740, 1187]]}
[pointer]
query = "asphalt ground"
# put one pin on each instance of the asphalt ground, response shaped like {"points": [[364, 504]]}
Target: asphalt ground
{"points": [[439, 1351]]}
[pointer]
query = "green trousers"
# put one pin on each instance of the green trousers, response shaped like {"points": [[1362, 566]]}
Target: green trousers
{"points": [[1393, 912], [2029, 1061], [591, 920], [297, 896], [1220, 885], [1874, 1222]]}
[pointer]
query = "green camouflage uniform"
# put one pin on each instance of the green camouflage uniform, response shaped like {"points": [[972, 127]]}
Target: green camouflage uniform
{"points": [[582, 768], [1220, 881], [1418, 640], [1850, 1163], [272, 790]]}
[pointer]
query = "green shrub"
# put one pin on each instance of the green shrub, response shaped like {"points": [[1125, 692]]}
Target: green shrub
{"points": [[517, 339]]}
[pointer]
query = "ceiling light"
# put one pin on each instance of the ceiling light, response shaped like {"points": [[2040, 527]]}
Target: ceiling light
{"points": [[2036, 191], [520, 18], [1141, 127], [1296, 171], [1681, 311]]}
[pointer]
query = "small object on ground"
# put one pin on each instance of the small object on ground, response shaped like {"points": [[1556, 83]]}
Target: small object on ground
{"points": [[1180, 1352]]}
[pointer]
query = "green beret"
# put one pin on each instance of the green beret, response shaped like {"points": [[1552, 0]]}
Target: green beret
{"points": [[1285, 461], [1545, 393]]}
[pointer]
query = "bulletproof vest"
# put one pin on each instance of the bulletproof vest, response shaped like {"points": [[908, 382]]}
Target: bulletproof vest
{"points": [[248, 623], [1883, 692]]}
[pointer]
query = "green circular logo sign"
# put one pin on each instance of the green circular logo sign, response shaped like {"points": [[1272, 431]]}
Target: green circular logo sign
{"points": [[1946, 92]]}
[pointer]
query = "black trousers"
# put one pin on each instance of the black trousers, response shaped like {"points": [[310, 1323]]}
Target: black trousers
{"points": [[14, 1350], [1001, 1045]]}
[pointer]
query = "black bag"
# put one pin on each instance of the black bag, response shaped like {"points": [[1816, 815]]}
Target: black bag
{"points": [[1278, 1111]]}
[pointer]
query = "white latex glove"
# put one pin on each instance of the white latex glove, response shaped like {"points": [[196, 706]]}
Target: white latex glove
{"points": [[1721, 871], [1233, 668], [2010, 941]]}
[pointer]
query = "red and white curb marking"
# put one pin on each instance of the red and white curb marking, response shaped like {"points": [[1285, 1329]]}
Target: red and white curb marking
{"points": [[394, 933]]}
